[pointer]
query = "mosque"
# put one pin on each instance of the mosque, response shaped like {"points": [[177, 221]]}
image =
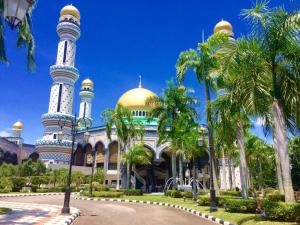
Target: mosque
{"points": [[54, 148]]}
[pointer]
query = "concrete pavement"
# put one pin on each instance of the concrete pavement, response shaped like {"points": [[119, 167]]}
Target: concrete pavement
{"points": [[110, 213]]}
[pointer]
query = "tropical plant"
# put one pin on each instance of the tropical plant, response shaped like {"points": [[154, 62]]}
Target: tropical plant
{"points": [[268, 62], [294, 148], [175, 103], [126, 129], [25, 37], [203, 62], [136, 155]]}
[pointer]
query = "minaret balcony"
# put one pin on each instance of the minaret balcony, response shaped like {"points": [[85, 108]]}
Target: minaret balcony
{"points": [[53, 119], [64, 71], [54, 143], [68, 30]]}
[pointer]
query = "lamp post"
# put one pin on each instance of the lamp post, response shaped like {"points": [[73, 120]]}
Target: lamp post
{"points": [[213, 200], [15, 11], [74, 124]]}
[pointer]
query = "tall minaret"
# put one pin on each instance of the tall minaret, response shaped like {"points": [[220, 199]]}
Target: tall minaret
{"points": [[86, 98], [64, 75]]}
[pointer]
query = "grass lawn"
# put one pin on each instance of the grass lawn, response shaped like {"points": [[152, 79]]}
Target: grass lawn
{"points": [[4, 210], [236, 218]]}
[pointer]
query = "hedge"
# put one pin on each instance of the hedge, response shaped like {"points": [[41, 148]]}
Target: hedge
{"points": [[18, 183], [205, 200], [275, 197], [107, 194], [281, 211], [133, 192], [231, 193], [187, 194], [240, 205]]}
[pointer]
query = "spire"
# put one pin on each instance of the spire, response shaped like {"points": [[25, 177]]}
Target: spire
{"points": [[140, 83]]}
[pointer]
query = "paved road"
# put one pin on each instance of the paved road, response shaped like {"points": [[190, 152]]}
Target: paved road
{"points": [[109, 213]]}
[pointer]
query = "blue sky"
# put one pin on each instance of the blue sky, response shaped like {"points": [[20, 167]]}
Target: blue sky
{"points": [[120, 40]]}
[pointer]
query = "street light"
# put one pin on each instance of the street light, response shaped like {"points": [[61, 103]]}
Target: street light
{"points": [[60, 135], [213, 199], [15, 11]]}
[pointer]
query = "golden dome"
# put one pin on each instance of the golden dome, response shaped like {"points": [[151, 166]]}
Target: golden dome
{"points": [[136, 98], [18, 125], [223, 26], [87, 82], [70, 10]]}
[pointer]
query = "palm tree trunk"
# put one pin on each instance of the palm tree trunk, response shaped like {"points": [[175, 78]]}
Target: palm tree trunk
{"points": [[260, 176], [224, 178], [230, 173], [180, 170], [118, 165], [174, 170], [233, 176], [278, 166], [211, 138], [128, 176], [194, 183], [243, 164], [282, 148]]}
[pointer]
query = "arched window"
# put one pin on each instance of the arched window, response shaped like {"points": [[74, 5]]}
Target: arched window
{"points": [[140, 113], [143, 113], [133, 113]]}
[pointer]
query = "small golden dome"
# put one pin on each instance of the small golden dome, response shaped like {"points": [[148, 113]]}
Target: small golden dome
{"points": [[136, 98], [18, 125], [70, 10], [87, 82], [223, 26]]}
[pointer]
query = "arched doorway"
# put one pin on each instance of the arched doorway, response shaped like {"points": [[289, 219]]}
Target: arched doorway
{"points": [[100, 159], [79, 156], [113, 155], [89, 155], [154, 175], [34, 156]]}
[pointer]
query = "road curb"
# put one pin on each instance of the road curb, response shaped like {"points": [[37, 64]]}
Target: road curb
{"points": [[30, 194], [189, 210]]}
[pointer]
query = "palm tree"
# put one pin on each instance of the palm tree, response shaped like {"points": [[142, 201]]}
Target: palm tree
{"points": [[25, 37], [136, 155], [192, 150], [230, 125], [175, 102], [202, 61], [274, 48], [126, 129]]}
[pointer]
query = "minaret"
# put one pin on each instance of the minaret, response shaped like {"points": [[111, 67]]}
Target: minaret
{"points": [[86, 98], [64, 75]]}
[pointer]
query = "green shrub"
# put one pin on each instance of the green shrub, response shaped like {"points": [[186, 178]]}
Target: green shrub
{"points": [[55, 189], [33, 188], [107, 194], [275, 197], [240, 205], [269, 190], [18, 183], [38, 180], [26, 190], [106, 188], [231, 193], [204, 200], [133, 192], [168, 192], [187, 194], [5, 185], [176, 194], [281, 211], [45, 190], [203, 192]]}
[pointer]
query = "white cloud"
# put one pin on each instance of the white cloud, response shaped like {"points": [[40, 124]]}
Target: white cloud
{"points": [[260, 121], [5, 133]]}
